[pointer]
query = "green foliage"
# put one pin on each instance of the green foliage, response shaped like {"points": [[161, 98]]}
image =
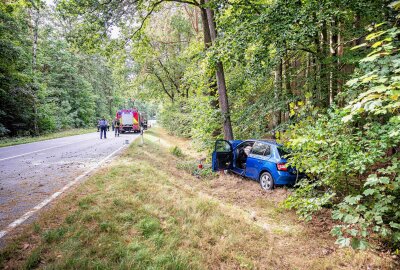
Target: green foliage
{"points": [[176, 151], [66, 88], [175, 120], [378, 84], [374, 212], [15, 74], [351, 153]]}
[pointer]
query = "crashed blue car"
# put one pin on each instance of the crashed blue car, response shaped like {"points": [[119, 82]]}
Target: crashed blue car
{"points": [[260, 160]]}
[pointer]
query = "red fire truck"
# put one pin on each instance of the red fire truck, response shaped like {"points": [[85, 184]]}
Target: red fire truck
{"points": [[129, 119]]}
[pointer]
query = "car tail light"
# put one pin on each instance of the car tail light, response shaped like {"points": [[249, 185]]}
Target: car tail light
{"points": [[281, 167]]}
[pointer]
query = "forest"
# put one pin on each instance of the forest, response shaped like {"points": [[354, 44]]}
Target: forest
{"points": [[322, 77]]}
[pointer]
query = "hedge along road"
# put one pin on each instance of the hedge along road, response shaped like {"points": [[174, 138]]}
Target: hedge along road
{"points": [[34, 174]]}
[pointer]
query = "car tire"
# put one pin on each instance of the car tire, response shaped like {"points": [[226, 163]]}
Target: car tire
{"points": [[266, 181]]}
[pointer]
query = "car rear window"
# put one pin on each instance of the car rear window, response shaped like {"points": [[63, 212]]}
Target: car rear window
{"points": [[260, 149], [283, 153]]}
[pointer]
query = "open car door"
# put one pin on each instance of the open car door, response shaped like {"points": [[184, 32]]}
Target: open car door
{"points": [[222, 157]]}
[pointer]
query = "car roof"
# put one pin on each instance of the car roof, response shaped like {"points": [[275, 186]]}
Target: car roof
{"points": [[266, 141], [272, 142]]}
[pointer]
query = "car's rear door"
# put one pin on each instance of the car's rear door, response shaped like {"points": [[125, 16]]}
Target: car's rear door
{"points": [[222, 157], [258, 155]]}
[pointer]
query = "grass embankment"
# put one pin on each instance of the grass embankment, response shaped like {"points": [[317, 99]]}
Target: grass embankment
{"points": [[141, 212], [8, 141]]}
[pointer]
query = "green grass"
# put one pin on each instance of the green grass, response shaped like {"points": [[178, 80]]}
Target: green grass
{"points": [[8, 141], [176, 151], [33, 260]]}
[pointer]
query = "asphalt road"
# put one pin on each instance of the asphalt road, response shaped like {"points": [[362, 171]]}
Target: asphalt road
{"points": [[30, 173]]}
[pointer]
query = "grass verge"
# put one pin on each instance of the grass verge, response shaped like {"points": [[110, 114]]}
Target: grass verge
{"points": [[7, 141], [142, 212]]}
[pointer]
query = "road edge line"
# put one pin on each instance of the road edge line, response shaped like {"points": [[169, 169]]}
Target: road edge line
{"points": [[30, 213]]}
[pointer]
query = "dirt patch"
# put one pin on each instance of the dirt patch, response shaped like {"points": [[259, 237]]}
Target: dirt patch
{"points": [[244, 190]]}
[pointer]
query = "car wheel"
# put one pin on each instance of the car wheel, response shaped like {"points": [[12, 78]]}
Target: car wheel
{"points": [[266, 181]]}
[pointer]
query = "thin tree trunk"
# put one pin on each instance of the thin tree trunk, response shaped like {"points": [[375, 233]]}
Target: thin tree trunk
{"points": [[317, 73], [223, 97], [324, 72], [339, 62], [36, 16], [287, 90], [277, 91], [308, 72], [35, 39], [333, 42]]}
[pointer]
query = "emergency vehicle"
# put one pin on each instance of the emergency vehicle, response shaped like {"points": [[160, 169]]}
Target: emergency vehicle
{"points": [[129, 120]]}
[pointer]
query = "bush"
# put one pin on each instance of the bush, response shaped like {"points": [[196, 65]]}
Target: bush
{"points": [[3, 130], [376, 210], [176, 120], [351, 154], [176, 151]]}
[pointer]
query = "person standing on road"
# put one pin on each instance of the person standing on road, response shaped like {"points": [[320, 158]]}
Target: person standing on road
{"points": [[103, 128], [117, 125]]}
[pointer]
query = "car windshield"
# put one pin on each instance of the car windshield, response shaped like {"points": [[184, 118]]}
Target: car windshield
{"points": [[283, 152]]}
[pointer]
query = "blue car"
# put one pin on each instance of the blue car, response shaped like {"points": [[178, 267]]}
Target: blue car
{"points": [[260, 160]]}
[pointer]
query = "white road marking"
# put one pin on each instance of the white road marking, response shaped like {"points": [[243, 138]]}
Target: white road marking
{"points": [[30, 213], [41, 150]]}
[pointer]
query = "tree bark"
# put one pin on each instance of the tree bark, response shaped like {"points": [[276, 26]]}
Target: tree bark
{"points": [[340, 66], [206, 29], [223, 96], [324, 67], [316, 63], [214, 103], [333, 43], [287, 85], [35, 30], [277, 91]]}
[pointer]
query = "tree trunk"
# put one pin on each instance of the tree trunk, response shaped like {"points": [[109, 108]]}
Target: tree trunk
{"points": [[212, 83], [339, 55], [206, 29], [223, 97], [333, 44], [324, 71], [35, 38], [316, 63], [287, 83], [36, 16], [277, 91]]}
